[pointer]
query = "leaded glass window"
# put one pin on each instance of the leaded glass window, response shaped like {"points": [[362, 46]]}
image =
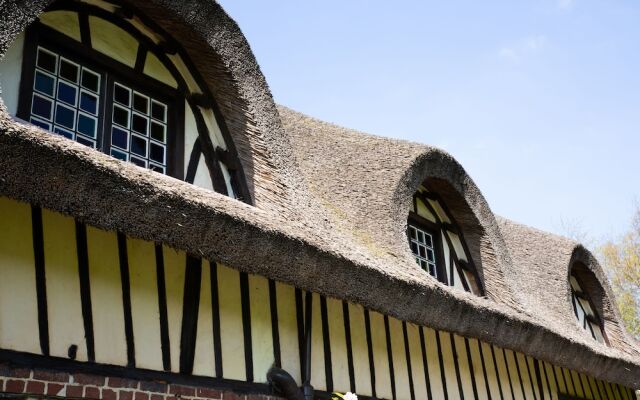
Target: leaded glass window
{"points": [[422, 246]]}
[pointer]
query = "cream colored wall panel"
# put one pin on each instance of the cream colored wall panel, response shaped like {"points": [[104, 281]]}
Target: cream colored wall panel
{"points": [[433, 362], [339, 361], [154, 68], [547, 383], [360, 350], [586, 386], [417, 365], [214, 130], [145, 30], [560, 381], [457, 246], [608, 390], [18, 297], [178, 62], [174, 276], [203, 178], [65, 22], [505, 381], [518, 391], [440, 211], [400, 370], [380, 358], [66, 325], [423, 211], [464, 367], [231, 329], [145, 310], [261, 330], [10, 74], [532, 373], [106, 297], [577, 384], [227, 180], [492, 371], [521, 362], [204, 358], [566, 375], [113, 41], [593, 385], [288, 330], [318, 377], [478, 369], [449, 365]]}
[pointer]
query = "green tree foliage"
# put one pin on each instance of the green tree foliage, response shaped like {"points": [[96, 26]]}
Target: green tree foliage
{"points": [[621, 261]]}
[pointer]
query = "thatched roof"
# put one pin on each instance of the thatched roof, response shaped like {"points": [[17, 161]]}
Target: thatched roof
{"points": [[330, 208]]}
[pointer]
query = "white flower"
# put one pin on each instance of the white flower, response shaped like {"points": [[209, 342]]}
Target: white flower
{"points": [[350, 396]]}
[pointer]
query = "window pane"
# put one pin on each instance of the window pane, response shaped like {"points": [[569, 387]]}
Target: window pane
{"points": [[120, 138], [157, 153], [139, 124], [69, 70], [158, 132], [41, 124], [159, 111], [121, 116], [122, 95], [90, 80], [47, 60], [67, 93], [42, 107], [139, 145], [44, 83], [141, 103], [63, 132], [65, 117], [87, 125], [89, 102]]}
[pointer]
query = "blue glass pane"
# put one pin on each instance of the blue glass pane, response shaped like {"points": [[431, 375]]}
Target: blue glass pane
{"points": [[42, 107], [87, 125], [157, 168], [67, 93], [86, 142], [64, 133], [119, 155], [90, 80], [89, 103], [44, 83], [65, 117], [119, 138], [138, 146], [41, 124], [138, 162], [156, 153]]}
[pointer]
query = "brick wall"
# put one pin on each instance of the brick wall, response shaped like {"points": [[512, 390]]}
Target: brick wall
{"points": [[41, 382]]}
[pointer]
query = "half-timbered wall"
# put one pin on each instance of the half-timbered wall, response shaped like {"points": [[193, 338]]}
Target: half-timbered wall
{"points": [[72, 291], [132, 42]]}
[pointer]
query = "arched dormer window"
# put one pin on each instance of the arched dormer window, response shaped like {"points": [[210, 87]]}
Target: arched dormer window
{"points": [[584, 309], [438, 244], [103, 74]]}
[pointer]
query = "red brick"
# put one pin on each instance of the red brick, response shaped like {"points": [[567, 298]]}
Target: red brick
{"points": [[86, 379], [209, 393], [141, 396], [108, 394], [91, 392], [50, 376], [35, 387], [123, 383], [125, 394], [157, 397], [182, 390], [15, 386], [150, 386], [232, 396], [74, 391], [54, 388]]}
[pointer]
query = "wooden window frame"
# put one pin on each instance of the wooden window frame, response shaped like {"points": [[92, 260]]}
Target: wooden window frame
{"points": [[596, 319], [111, 71], [437, 230]]}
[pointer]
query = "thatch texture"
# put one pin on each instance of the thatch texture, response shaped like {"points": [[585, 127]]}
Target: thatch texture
{"points": [[330, 211]]}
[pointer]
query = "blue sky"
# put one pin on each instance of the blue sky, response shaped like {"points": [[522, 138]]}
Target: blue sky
{"points": [[539, 100]]}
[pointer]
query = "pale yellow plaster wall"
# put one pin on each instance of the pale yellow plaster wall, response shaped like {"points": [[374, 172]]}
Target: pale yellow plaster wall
{"points": [[318, 377], [380, 357], [204, 359], [261, 331], [66, 22], [231, 329], [288, 329], [18, 298], [145, 310], [66, 326], [106, 297], [401, 373], [174, 273], [359, 349], [113, 41], [339, 361]]}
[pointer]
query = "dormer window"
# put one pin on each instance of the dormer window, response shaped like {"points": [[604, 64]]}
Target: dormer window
{"points": [[584, 311], [106, 76], [438, 245]]}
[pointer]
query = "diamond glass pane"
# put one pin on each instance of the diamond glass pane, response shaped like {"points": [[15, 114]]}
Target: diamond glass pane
{"points": [[58, 98], [139, 130]]}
